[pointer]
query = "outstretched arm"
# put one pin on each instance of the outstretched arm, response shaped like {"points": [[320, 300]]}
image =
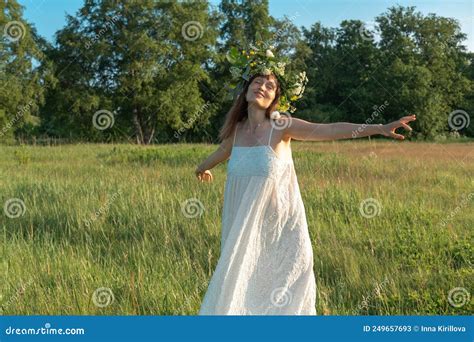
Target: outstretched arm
{"points": [[203, 172], [303, 130]]}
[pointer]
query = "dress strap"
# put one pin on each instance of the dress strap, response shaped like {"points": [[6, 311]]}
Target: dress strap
{"points": [[235, 132], [270, 138]]}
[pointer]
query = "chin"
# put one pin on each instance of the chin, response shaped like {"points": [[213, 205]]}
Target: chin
{"points": [[258, 104]]}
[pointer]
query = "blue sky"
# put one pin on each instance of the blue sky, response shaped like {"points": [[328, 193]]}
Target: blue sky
{"points": [[49, 15]]}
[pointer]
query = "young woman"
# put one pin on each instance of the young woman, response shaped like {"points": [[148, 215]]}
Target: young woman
{"points": [[266, 258]]}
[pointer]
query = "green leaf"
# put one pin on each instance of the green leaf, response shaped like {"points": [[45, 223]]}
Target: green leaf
{"points": [[233, 55]]}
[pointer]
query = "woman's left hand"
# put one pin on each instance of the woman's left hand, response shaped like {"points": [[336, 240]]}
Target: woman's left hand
{"points": [[389, 129]]}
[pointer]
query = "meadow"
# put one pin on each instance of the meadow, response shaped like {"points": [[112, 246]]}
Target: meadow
{"points": [[105, 229]]}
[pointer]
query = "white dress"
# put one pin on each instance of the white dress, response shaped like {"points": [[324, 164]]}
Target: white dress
{"points": [[266, 258]]}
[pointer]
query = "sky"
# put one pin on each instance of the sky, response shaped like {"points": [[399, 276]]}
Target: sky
{"points": [[48, 16]]}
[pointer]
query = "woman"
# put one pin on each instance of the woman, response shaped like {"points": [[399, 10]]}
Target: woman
{"points": [[266, 259]]}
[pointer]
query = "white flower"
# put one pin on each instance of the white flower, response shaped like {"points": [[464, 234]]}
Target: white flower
{"points": [[275, 115], [302, 76], [296, 91], [281, 68], [266, 72], [269, 54]]}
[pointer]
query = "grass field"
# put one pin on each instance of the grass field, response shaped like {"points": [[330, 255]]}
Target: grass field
{"points": [[103, 231]]}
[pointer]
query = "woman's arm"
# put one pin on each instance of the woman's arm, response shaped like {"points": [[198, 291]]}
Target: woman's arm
{"points": [[303, 130], [218, 156]]}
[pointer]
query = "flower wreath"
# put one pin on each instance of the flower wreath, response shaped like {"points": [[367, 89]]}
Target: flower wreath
{"points": [[260, 60]]}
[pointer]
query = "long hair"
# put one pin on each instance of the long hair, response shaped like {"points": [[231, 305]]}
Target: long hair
{"points": [[238, 112]]}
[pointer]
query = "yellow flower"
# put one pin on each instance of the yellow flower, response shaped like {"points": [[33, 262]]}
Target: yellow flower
{"points": [[252, 52], [283, 107], [252, 64], [243, 52], [294, 98]]}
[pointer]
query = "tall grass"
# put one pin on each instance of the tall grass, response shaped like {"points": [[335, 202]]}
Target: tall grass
{"points": [[111, 216]]}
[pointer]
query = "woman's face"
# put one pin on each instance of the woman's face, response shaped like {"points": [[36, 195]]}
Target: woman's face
{"points": [[261, 92]]}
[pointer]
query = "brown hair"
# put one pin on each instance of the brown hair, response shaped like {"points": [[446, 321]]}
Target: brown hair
{"points": [[238, 112]]}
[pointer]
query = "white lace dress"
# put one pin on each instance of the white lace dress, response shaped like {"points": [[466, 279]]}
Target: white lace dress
{"points": [[266, 258]]}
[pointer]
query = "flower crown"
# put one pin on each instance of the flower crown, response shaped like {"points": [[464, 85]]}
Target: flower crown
{"points": [[261, 60]]}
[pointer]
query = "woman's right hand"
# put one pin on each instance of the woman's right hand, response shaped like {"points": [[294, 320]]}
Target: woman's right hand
{"points": [[204, 176]]}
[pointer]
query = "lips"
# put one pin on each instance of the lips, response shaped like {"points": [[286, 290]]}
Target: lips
{"points": [[259, 93]]}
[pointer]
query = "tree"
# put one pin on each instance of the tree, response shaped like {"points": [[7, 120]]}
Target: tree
{"points": [[422, 60], [24, 73], [340, 64], [137, 63], [409, 63]]}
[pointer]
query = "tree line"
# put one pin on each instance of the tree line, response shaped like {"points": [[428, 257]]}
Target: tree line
{"points": [[155, 71]]}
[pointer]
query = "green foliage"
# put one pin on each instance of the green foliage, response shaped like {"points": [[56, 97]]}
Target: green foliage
{"points": [[22, 155], [24, 71], [159, 70], [140, 61], [416, 65]]}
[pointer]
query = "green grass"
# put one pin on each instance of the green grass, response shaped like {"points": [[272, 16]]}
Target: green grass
{"points": [[157, 261]]}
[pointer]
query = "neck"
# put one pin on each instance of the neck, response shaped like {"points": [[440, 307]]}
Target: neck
{"points": [[256, 116]]}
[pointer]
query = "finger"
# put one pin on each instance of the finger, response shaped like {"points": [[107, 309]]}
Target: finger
{"points": [[408, 128], [398, 136]]}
